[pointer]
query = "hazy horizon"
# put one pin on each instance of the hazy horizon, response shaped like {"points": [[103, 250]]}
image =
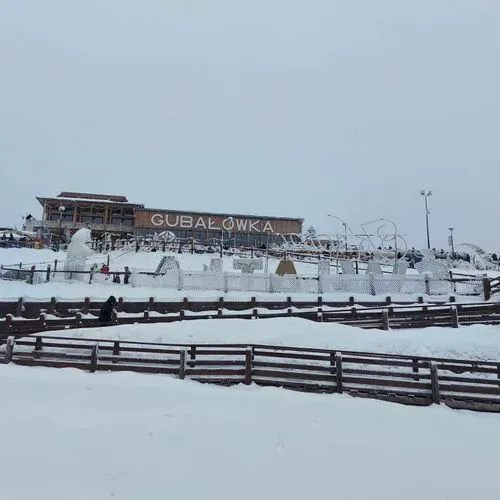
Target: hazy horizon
{"points": [[281, 108]]}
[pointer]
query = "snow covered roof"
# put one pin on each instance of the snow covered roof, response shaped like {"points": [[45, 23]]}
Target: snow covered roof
{"points": [[41, 199], [94, 196]]}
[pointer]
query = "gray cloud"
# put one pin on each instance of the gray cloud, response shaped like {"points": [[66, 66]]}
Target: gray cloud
{"points": [[284, 107]]}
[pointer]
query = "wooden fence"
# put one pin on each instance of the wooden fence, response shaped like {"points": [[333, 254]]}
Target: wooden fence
{"points": [[468, 384], [32, 308], [382, 317]]}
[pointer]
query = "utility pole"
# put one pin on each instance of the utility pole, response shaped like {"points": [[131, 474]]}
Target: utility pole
{"points": [[426, 195]]}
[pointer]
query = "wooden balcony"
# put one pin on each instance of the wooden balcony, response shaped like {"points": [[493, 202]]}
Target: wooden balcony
{"points": [[50, 224]]}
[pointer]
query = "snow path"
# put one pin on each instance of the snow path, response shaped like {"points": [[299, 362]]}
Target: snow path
{"points": [[70, 434], [472, 342]]}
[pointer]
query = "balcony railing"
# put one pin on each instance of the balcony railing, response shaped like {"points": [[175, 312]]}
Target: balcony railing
{"points": [[54, 224]]}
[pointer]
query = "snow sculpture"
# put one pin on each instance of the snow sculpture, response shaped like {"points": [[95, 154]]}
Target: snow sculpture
{"points": [[78, 252], [216, 265], [247, 265], [324, 268]]}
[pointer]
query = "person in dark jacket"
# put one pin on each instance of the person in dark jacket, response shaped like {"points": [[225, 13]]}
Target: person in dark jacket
{"points": [[126, 278], [107, 310]]}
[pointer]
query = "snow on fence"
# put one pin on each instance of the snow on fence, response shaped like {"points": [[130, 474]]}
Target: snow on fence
{"points": [[371, 284]]}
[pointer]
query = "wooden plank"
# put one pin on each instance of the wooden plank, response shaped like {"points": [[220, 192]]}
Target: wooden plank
{"points": [[380, 382], [216, 372], [295, 366], [276, 374], [450, 389]]}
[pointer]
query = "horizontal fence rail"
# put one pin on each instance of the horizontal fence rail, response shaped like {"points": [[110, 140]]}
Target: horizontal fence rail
{"points": [[413, 380], [31, 308], [380, 317]]}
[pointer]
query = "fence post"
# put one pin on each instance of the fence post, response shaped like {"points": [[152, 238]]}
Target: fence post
{"points": [[453, 281], [78, 318], [38, 343], [319, 315], [9, 349], [338, 372], [454, 317], [86, 305], [55, 265], [388, 300], [32, 275], [415, 369], [427, 285], [486, 288], [385, 319], [52, 305], [116, 348], [436, 398], [182, 364], [20, 306], [248, 365], [372, 284], [192, 356], [93, 358], [47, 276]]}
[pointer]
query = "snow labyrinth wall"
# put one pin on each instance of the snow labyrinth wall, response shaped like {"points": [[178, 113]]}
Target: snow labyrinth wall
{"points": [[271, 283]]}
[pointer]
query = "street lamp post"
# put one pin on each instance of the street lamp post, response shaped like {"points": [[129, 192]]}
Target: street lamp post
{"points": [[451, 242], [426, 195], [344, 224]]}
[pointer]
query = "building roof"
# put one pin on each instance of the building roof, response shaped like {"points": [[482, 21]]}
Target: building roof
{"points": [[94, 196], [41, 199]]}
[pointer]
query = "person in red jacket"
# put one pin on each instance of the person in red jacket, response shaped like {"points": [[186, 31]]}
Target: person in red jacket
{"points": [[105, 269]]}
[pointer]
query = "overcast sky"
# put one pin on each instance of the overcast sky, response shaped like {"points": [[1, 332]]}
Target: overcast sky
{"points": [[281, 107]]}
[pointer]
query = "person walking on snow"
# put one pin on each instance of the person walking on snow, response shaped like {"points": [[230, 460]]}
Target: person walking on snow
{"points": [[107, 310]]}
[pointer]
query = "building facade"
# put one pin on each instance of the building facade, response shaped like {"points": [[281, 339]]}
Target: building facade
{"points": [[114, 214]]}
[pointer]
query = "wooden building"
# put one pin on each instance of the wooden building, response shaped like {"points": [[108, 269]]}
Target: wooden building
{"points": [[104, 213], [98, 212]]}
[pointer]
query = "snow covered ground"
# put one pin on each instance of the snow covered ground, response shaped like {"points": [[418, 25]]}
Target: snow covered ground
{"points": [[70, 434], [471, 342]]}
